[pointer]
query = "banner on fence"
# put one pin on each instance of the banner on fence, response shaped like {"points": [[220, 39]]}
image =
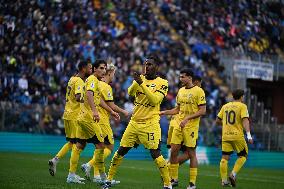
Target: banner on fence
{"points": [[253, 70]]}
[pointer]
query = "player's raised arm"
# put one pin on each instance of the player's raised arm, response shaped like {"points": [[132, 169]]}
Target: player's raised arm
{"points": [[132, 89], [154, 97]]}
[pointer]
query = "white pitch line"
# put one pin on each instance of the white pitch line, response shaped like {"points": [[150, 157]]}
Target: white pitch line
{"points": [[215, 175]]}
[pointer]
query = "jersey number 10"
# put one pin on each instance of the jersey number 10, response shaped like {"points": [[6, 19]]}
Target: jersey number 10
{"points": [[230, 117]]}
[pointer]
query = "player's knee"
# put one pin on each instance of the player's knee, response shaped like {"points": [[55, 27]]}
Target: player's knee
{"points": [[242, 153], [174, 153], [110, 147], [155, 153], [243, 156], [81, 145], [191, 154], [186, 155], [223, 161], [70, 144], [100, 145], [122, 151]]}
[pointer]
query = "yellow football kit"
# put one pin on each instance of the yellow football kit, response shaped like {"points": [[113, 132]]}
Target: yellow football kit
{"points": [[89, 129], [188, 101], [107, 95], [72, 107], [233, 139], [144, 126]]}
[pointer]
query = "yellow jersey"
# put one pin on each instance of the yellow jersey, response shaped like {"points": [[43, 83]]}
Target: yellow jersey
{"points": [[72, 107], [231, 115], [91, 84], [143, 108], [107, 95], [189, 101]]}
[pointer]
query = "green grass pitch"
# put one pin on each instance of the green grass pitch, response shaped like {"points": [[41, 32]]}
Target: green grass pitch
{"points": [[30, 171]]}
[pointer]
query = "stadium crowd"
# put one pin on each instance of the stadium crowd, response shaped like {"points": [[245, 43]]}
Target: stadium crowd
{"points": [[42, 41], [210, 26]]}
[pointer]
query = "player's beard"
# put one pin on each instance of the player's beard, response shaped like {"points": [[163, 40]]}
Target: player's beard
{"points": [[183, 84], [87, 75], [150, 74]]}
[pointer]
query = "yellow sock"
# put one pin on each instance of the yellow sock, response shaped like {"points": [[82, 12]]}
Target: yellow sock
{"points": [[64, 150], [163, 168], [107, 152], [99, 160], [75, 155], [92, 161], [173, 169], [115, 162], [238, 165], [192, 175], [223, 169]]}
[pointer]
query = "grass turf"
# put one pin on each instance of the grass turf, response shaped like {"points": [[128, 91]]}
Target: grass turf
{"points": [[29, 171]]}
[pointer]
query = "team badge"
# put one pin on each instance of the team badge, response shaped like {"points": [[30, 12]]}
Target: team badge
{"points": [[109, 94]]}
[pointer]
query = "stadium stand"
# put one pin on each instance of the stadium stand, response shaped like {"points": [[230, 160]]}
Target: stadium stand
{"points": [[42, 41]]}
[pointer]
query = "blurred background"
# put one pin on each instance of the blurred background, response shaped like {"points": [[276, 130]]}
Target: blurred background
{"points": [[229, 43]]}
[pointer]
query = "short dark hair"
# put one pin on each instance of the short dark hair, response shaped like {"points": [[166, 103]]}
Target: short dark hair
{"points": [[197, 78], [82, 64], [187, 71], [98, 63], [156, 59], [238, 93]]}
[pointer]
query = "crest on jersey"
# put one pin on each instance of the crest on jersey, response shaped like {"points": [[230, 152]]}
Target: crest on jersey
{"points": [[109, 94], [190, 95], [79, 88], [92, 85]]}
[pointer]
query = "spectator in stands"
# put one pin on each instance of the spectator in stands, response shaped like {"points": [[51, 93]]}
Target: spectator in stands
{"points": [[44, 40], [23, 82]]}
